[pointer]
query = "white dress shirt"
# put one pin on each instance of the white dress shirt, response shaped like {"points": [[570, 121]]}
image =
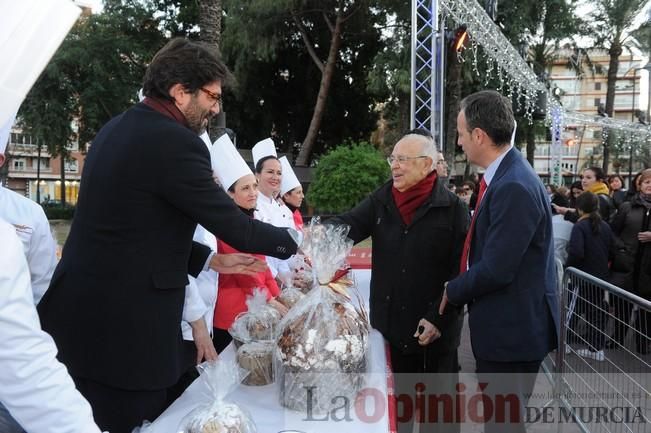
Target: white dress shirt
{"points": [[33, 229], [36, 388], [489, 174]]}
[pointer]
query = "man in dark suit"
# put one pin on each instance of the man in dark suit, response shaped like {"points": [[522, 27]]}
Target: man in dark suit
{"points": [[115, 301], [508, 276]]}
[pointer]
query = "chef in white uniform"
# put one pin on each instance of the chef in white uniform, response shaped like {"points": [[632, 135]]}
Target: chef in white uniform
{"points": [[201, 294], [36, 388], [31, 226], [270, 208]]}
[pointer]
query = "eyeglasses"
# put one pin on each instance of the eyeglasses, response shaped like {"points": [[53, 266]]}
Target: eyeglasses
{"points": [[216, 98], [402, 159], [466, 188]]}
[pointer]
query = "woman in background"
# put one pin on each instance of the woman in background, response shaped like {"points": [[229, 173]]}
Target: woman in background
{"points": [[617, 190], [632, 263], [589, 250], [291, 192]]}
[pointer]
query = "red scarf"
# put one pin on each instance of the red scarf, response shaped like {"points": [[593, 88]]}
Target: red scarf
{"points": [[408, 201], [166, 108]]}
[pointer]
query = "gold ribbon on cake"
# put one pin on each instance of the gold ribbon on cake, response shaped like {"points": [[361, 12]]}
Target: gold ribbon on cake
{"points": [[340, 283]]}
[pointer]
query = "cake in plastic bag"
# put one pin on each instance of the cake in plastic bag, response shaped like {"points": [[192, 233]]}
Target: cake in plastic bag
{"points": [[256, 358], [290, 296], [259, 322], [322, 347], [219, 415]]}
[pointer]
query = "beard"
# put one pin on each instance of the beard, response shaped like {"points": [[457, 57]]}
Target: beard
{"points": [[197, 117]]}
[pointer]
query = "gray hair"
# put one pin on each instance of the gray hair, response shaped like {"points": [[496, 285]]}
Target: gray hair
{"points": [[429, 146]]}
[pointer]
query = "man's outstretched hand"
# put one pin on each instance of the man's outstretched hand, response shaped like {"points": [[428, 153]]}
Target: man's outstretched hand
{"points": [[237, 263]]}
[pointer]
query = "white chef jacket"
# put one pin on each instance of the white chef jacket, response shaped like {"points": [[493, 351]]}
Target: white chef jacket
{"points": [[33, 229], [36, 388], [274, 212], [201, 292]]}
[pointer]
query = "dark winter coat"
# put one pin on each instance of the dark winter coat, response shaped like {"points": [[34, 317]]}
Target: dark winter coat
{"points": [[633, 258], [115, 300], [588, 251], [411, 263]]}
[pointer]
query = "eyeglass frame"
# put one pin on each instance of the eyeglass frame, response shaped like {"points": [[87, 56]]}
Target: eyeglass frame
{"points": [[217, 99], [402, 159]]}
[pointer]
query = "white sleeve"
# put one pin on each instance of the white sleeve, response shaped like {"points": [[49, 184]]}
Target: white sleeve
{"points": [[36, 388], [41, 256], [193, 307], [273, 264]]}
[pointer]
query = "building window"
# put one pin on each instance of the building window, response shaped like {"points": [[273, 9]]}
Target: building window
{"points": [[597, 101], [597, 86], [19, 164], [45, 163], [17, 138], [72, 166]]}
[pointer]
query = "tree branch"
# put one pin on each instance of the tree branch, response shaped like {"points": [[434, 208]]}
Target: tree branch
{"points": [[308, 44], [328, 22]]}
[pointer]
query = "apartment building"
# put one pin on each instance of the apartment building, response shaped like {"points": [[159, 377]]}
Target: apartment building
{"points": [[34, 173], [581, 80]]}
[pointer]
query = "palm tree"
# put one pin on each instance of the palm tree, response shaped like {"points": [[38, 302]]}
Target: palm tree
{"points": [[612, 26], [210, 21]]}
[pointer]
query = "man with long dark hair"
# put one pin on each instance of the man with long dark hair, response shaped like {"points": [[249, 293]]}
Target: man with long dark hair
{"points": [[115, 302]]}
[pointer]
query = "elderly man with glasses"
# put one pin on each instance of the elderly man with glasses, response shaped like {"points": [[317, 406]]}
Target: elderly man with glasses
{"points": [[417, 227]]}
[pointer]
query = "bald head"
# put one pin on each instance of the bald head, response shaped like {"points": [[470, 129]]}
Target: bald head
{"points": [[423, 145], [412, 159]]}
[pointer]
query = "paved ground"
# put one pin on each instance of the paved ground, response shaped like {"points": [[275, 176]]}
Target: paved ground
{"points": [[622, 379]]}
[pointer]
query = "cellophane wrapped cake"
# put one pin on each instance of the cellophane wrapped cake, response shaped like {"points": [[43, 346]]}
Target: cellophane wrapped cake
{"points": [[258, 323], [219, 415], [256, 358], [302, 276], [322, 348], [289, 296]]}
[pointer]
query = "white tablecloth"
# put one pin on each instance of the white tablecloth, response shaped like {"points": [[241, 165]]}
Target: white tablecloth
{"points": [[270, 417]]}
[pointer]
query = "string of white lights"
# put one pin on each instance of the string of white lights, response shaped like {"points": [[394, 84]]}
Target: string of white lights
{"points": [[511, 69]]}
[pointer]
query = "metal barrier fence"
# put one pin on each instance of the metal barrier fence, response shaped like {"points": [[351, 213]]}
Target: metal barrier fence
{"points": [[604, 364]]}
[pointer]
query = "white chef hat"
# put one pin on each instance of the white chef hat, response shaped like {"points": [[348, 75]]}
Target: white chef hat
{"points": [[5, 129], [263, 148], [227, 163], [289, 180], [30, 33]]}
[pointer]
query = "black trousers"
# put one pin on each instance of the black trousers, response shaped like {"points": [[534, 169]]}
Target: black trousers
{"points": [[622, 311], [592, 305], [220, 339], [513, 382], [119, 410], [417, 377]]}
